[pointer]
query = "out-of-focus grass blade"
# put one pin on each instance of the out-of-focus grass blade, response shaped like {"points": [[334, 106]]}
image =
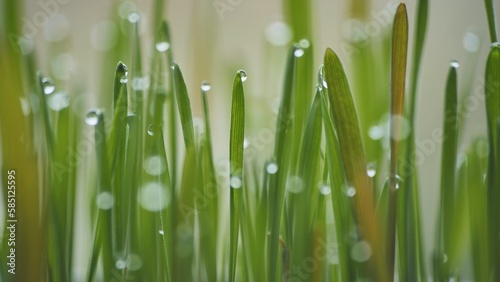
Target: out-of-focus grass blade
{"points": [[302, 198], [346, 123], [492, 93], [448, 174], [184, 104], [282, 151], [478, 209], [398, 78], [490, 12], [102, 240], [236, 140]]}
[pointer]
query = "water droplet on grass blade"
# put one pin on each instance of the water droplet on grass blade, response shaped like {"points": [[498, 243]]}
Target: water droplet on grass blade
{"points": [[294, 184], [48, 85], [325, 189], [235, 182], [246, 143], [350, 192], [92, 116], [299, 52], [272, 168], [371, 169], [495, 45], [361, 251], [120, 264], [124, 79], [404, 126], [162, 46], [304, 43], [105, 201], [58, 101], [243, 75], [134, 17], [205, 86], [161, 232], [454, 64], [153, 197], [153, 129], [125, 8], [154, 165], [321, 76]]}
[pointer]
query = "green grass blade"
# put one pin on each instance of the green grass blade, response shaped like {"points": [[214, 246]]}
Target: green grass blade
{"points": [[398, 78], [103, 240], [282, 152], [490, 12], [346, 123], [184, 105], [237, 137], [448, 174], [492, 94]]}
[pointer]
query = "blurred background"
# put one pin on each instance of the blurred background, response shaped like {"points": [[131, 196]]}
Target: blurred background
{"points": [[212, 39]]}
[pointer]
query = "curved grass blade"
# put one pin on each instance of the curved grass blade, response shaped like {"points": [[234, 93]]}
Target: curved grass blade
{"points": [[237, 137], [184, 105], [492, 95], [490, 12], [102, 240], [398, 78], [353, 158], [448, 176]]}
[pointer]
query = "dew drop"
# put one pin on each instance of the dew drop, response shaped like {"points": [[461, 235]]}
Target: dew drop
{"points": [[124, 79], [272, 168], [304, 43], [154, 165], [205, 86], [371, 169], [153, 129], [243, 75], [92, 116], [361, 251], [140, 83], [120, 264], [246, 143], [48, 85], [454, 64], [278, 34], [404, 128], [162, 46], [134, 262], [126, 7], [134, 17], [321, 77], [294, 184], [235, 182], [325, 189], [58, 101], [495, 45], [299, 52], [376, 132], [351, 192], [397, 181], [161, 232], [154, 197], [105, 201], [471, 42]]}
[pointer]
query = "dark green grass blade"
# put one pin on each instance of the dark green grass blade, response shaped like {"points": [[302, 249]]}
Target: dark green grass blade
{"points": [[116, 155], [411, 254], [237, 137], [282, 151], [448, 174], [492, 93], [184, 105], [398, 78], [490, 12], [478, 209], [102, 241], [346, 123]]}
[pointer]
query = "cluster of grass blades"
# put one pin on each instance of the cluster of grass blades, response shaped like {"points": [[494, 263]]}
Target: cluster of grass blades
{"points": [[330, 203]]}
